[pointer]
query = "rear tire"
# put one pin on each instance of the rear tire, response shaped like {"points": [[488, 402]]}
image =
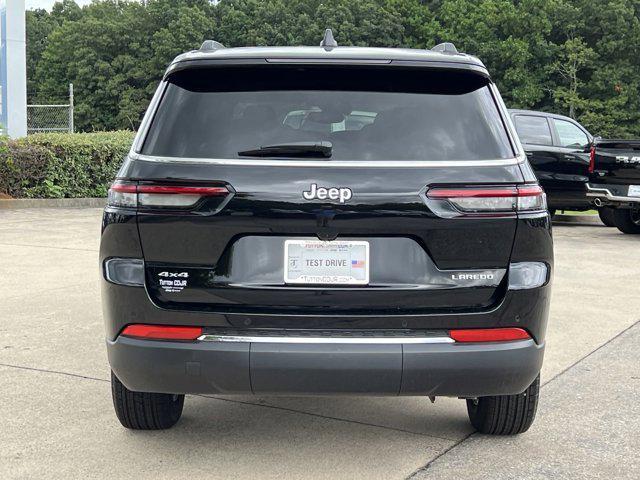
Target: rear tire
{"points": [[606, 215], [627, 220], [505, 414], [145, 411]]}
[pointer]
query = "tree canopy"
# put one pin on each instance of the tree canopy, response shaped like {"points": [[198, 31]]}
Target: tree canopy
{"points": [[575, 57]]}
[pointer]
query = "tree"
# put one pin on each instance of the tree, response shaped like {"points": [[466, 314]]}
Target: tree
{"points": [[580, 57], [574, 57]]}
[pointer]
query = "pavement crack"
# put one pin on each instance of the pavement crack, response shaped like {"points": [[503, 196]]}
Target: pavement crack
{"points": [[556, 376], [619, 334], [356, 422], [49, 246], [326, 417], [212, 397], [56, 372], [47, 291], [444, 452]]}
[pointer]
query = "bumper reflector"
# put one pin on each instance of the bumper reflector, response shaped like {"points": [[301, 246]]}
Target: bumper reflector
{"points": [[162, 332], [489, 335], [525, 275], [125, 271]]}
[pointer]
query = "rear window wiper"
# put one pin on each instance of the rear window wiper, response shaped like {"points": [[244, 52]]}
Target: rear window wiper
{"points": [[293, 149]]}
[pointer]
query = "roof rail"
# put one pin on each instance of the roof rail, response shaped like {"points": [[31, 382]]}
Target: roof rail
{"points": [[328, 42], [446, 47], [211, 46]]}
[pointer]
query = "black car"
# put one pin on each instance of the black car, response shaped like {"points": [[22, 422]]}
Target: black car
{"points": [[558, 149], [614, 182], [326, 221]]}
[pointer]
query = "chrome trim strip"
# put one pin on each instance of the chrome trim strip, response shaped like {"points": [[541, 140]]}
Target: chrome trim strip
{"points": [[332, 163], [146, 119], [606, 193], [506, 118], [326, 340]]}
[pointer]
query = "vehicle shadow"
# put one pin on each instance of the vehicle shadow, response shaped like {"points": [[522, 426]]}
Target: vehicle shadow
{"points": [[326, 437], [565, 223], [446, 418]]}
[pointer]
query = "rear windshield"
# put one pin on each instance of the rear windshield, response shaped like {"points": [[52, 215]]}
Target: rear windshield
{"points": [[366, 114]]}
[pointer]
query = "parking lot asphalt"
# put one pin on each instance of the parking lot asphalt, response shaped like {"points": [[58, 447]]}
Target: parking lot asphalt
{"points": [[57, 421]]}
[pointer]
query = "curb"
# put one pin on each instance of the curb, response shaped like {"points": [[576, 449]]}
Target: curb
{"points": [[12, 203]]}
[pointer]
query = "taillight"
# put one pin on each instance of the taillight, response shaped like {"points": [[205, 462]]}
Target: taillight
{"points": [[476, 335], [161, 332], [176, 196], [485, 201], [531, 198], [123, 194], [592, 159]]}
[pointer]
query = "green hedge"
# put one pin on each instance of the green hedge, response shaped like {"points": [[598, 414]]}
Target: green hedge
{"points": [[59, 165]]}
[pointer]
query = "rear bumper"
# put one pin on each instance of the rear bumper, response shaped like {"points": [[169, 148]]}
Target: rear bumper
{"points": [[439, 369], [612, 194]]}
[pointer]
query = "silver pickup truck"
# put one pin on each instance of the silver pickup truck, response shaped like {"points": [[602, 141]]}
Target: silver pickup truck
{"points": [[614, 182]]}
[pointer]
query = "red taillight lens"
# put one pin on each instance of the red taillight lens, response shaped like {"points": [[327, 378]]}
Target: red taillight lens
{"points": [[487, 200], [449, 193], [474, 335], [123, 194], [162, 332], [166, 190], [592, 159], [123, 187]]}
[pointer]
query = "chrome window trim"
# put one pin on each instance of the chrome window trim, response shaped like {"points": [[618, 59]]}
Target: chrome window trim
{"points": [[332, 163], [325, 340], [508, 123], [141, 134]]}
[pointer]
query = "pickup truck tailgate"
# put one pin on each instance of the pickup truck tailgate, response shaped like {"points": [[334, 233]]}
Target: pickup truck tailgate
{"points": [[617, 162]]}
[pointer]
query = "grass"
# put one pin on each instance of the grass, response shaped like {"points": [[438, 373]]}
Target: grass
{"points": [[571, 212]]}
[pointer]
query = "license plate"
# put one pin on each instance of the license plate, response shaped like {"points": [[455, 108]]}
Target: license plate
{"points": [[634, 190], [326, 263]]}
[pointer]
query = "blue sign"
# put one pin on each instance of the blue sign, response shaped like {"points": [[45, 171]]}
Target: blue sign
{"points": [[13, 69], [3, 66]]}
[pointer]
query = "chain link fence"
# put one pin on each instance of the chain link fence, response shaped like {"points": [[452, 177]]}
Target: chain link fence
{"points": [[51, 118]]}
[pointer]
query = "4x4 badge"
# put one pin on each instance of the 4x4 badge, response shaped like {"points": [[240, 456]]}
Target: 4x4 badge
{"points": [[342, 194]]}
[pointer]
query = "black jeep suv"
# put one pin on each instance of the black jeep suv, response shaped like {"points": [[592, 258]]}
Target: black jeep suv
{"points": [[326, 220]]}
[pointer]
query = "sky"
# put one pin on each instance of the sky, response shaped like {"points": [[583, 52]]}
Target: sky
{"points": [[47, 4]]}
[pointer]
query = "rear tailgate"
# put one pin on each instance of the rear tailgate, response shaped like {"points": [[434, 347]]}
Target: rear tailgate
{"points": [[233, 260], [616, 164], [394, 133]]}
